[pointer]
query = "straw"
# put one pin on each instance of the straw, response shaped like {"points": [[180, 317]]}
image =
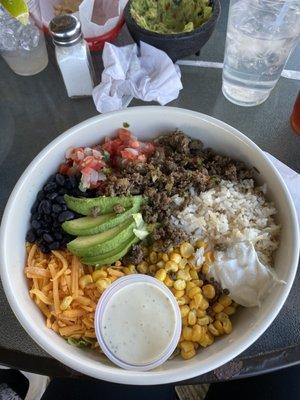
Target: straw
{"points": [[282, 14]]}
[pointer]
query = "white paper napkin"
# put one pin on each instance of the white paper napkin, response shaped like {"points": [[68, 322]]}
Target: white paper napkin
{"points": [[149, 76], [106, 13], [291, 179]]}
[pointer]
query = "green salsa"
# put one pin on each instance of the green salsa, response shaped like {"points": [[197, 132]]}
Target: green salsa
{"points": [[170, 16]]}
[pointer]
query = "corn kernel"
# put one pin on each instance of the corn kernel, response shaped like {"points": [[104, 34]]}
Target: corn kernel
{"points": [[221, 316], [99, 273], [186, 249], [213, 330], [225, 300], [196, 333], [160, 264], [178, 293], [179, 284], [227, 326], [118, 264], [184, 275], [193, 291], [182, 263], [217, 307], [171, 266], [114, 272], [181, 301], [229, 310], [201, 243], [168, 281], [186, 355], [219, 326], [209, 291], [152, 269], [206, 340], [127, 271], [187, 345], [204, 304], [85, 280], [190, 285], [198, 282], [161, 275], [142, 267], [194, 274], [192, 318], [205, 268], [102, 284], [203, 320], [153, 257], [200, 313], [209, 257], [132, 268], [175, 257], [187, 333], [165, 257], [184, 310], [198, 299], [66, 302], [185, 321]]}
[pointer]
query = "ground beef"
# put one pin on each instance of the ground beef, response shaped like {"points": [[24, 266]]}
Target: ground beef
{"points": [[135, 256], [178, 164], [168, 235], [118, 209]]}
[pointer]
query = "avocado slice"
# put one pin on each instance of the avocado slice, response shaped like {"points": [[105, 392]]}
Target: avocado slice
{"points": [[86, 246], [84, 206], [111, 256], [92, 225]]}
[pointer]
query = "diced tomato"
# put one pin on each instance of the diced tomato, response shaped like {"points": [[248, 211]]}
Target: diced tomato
{"points": [[91, 162], [124, 134]]}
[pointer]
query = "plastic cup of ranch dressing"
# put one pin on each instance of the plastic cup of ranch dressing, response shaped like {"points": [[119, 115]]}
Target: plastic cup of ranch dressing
{"points": [[138, 322]]}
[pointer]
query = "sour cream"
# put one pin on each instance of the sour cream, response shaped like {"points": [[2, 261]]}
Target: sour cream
{"points": [[239, 270], [138, 322]]}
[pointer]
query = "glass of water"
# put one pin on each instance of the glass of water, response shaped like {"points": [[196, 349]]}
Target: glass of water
{"points": [[23, 46], [261, 35]]}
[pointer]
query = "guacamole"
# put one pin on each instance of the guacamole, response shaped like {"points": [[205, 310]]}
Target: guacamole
{"points": [[170, 16]]}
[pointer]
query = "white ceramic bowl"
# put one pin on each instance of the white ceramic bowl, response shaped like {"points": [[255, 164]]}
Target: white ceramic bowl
{"points": [[145, 122]]}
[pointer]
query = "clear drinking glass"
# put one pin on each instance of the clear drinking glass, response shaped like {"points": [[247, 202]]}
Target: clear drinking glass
{"points": [[23, 46], [261, 35]]}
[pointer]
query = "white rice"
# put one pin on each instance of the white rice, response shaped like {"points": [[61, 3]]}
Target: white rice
{"points": [[230, 213]]}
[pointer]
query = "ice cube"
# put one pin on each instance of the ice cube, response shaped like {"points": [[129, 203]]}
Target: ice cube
{"points": [[29, 37]]}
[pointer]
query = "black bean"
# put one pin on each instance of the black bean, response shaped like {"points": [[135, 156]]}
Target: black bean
{"points": [[48, 238], [40, 195], [64, 207], [58, 236], [35, 224], [46, 206], [226, 291], [40, 232], [60, 179], [54, 246], [60, 200], [56, 208], [73, 182], [49, 187], [65, 216], [52, 195], [30, 236], [44, 248], [62, 191], [35, 206]]}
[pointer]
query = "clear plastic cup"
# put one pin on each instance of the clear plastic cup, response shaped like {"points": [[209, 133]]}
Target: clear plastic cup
{"points": [[106, 297]]}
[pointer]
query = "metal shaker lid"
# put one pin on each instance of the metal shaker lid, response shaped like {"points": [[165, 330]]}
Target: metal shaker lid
{"points": [[65, 30]]}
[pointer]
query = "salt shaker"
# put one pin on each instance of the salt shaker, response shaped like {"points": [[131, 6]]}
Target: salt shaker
{"points": [[72, 55]]}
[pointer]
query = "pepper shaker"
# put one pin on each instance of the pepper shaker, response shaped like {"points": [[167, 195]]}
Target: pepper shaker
{"points": [[72, 55]]}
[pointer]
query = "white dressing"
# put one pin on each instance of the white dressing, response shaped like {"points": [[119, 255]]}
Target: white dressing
{"points": [[239, 270], [138, 323]]}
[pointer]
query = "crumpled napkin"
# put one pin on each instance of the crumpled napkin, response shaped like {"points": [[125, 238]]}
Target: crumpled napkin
{"points": [[291, 179], [150, 76]]}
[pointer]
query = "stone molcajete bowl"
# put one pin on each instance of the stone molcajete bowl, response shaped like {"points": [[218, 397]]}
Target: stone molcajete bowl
{"points": [[176, 45]]}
